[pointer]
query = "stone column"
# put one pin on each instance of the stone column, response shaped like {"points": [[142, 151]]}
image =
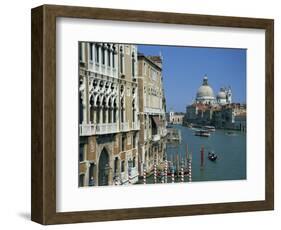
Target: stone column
{"points": [[95, 115]]}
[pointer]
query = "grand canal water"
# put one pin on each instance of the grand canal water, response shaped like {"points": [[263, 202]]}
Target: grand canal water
{"points": [[231, 151]]}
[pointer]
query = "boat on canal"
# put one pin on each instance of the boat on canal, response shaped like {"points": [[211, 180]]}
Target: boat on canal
{"points": [[210, 128], [202, 133], [212, 156]]}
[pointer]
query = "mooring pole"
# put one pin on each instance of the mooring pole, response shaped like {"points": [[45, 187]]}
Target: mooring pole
{"points": [[166, 171], [144, 175], [190, 167], [182, 171], [129, 178], [186, 156], [178, 165], [173, 174], [155, 173], [202, 156]]}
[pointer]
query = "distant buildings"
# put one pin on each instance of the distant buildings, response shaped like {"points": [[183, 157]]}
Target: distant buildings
{"points": [[175, 118], [218, 111], [121, 113]]}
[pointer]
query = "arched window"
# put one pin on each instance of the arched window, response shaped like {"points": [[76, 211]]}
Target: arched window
{"points": [[122, 110], [133, 64], [121, 60], [91, 51], [114, 111], [92, 109], [103, 55], [113, 56], [109, 55], [98, 110], [104, 111], [109, 111], [97, 54], [133, 110], [134, 140]]}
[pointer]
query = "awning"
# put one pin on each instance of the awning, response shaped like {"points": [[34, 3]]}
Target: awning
{"points": [[157, 121]]}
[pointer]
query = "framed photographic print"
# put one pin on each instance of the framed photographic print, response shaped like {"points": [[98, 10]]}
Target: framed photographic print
{"points": [[139, 114]]}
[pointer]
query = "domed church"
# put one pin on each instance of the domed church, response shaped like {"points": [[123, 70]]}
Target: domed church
{"points": [[205, 94]]}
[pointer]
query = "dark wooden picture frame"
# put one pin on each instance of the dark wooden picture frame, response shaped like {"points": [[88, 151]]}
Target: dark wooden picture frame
{"points": [[43, 188]]}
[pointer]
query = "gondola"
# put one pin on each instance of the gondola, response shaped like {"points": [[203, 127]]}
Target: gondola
{"points": [[212, 156]]}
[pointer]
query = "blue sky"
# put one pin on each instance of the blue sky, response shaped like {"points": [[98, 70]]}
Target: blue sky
{"points": [[185, 67]]}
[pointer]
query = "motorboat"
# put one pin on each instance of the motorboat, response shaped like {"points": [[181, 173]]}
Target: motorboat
{"points": [[210, 128], [202, 133]]}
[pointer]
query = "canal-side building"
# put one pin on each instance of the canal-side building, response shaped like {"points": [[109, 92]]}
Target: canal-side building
{"points": [[152, 109], [175, 118], [108, 114], [199, 113], [232, 116]]}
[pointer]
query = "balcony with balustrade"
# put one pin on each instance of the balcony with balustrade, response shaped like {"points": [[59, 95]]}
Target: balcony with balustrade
{"points": [[124, 126], [105, 70], [98, 129], [136, 125]]}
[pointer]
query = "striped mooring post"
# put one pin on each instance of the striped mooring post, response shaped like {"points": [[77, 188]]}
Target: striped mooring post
{"points": [[166, 171], [155, 173], [144, 176], [182, 174], [129, 179], [190, 168], [173, 174]]}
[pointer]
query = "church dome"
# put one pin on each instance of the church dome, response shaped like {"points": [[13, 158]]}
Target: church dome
{"points": [[205, 91], [221, 95]]}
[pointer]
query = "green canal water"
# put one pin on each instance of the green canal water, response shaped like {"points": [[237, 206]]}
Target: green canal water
{"points": [[231, 151]]}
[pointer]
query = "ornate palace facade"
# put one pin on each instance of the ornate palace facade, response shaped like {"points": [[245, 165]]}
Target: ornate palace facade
{"points": [[108, 114]]}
